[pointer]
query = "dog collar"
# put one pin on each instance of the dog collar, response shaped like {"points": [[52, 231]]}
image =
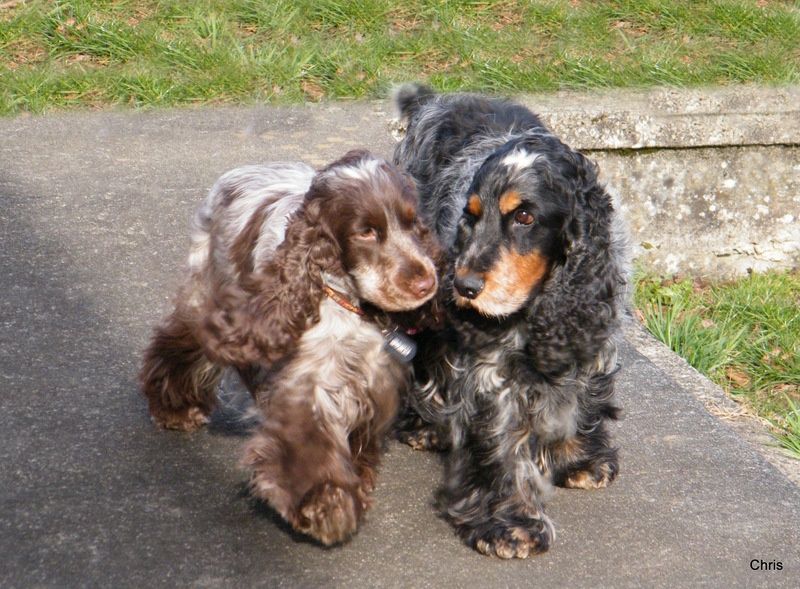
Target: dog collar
{"points": [[397, 343], [342, 300]]}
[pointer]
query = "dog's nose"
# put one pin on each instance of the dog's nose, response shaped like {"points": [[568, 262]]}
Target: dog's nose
{"points": [[421, 287], [469, 284]]}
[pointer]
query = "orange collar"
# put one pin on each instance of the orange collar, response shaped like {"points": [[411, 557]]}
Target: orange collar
{"points": [[341, 299]]}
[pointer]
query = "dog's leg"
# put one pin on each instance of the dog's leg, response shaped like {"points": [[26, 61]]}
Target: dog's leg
{"points": [[497, 506], [366, 448], [304, 469], [177, 378], [422, 423], [420, 434], [368, 436], [494, 491], [585, 461]]}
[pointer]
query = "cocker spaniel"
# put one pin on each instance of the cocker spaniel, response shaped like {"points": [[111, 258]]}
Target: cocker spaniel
{"points": [[300, 280], [519, 387]]}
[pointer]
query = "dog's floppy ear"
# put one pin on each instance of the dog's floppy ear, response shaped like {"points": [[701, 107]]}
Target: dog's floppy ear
{"points": [[592, 211], [260, 318], [577, 309]]}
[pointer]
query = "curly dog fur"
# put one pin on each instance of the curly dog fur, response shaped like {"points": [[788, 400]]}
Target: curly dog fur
{"points": [[294, 276], [518, 389]]}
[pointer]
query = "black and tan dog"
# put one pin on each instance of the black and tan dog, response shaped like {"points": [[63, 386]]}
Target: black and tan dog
{"points": [[520, 385]]}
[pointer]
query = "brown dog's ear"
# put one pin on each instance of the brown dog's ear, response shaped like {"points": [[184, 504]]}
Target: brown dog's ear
{"points": [[260, 318]]}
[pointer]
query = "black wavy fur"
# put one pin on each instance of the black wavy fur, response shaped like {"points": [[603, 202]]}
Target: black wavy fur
{"points": [[519, 386]]}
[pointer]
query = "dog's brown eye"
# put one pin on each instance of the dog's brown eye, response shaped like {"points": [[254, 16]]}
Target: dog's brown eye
{"points": [[523, 217], [370, 234]]}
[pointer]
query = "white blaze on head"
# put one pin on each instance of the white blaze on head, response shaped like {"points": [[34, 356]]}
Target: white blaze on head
{"points": [[519, 159], [364, 170]]}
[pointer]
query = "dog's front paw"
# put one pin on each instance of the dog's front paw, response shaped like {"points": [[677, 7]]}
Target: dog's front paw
{"points": [[597, 475], [424, 436], [516, 541], [329, 513], [185, 420]]}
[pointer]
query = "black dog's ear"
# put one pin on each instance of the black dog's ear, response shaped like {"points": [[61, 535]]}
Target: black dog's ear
{"points": [[587, 205], [578, 307]]}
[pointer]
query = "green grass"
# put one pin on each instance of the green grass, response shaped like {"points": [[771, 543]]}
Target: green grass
{"points": [[98, 54], [744, 335]]}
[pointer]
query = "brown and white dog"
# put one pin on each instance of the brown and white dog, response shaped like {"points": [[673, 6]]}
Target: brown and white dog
{"points": [[295, 279]]}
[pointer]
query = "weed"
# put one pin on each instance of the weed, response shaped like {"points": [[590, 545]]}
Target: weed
{"points": [[787, 433], [742, 334]]}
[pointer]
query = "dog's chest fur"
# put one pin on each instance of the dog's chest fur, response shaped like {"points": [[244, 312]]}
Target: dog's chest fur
{"points": [[493, 378], [343, 361]]}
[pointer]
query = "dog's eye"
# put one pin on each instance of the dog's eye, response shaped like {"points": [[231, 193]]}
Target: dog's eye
{"points": [[369, 234], [523, 217]]}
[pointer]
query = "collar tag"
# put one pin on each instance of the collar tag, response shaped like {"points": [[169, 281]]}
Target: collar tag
{"points": [[400, 346]]}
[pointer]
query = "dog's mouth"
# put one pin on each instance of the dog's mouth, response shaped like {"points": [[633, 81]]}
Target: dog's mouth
{"points": [[398, 293], [505, 288]]}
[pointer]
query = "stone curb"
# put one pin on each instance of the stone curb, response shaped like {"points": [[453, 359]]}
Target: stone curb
{"points": [[709, 179], [674, 119]]}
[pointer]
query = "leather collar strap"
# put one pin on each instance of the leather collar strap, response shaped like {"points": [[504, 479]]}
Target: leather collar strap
{"points": [[341, 299]]}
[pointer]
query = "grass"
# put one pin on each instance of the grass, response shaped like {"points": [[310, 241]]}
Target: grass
{"points": [[67, 54], [744, 335]]}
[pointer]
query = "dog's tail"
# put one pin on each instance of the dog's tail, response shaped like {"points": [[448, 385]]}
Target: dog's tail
{"points": [[408, 98]]}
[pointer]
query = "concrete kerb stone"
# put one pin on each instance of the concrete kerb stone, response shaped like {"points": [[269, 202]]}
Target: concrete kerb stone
{"points": [[741, 116], [747, 426], [709, 179]]}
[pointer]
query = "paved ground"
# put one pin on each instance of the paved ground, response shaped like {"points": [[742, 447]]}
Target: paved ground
{"points": [[94, 211]]}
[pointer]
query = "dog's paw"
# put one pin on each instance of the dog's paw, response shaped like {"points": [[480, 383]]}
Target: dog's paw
{"points": [[598, 476], [329, 513], [367, 481], [424, 437], [185, 420], [516, 542]]}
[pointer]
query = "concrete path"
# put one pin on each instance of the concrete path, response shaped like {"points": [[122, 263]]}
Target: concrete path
{"points": [[94, 211]]}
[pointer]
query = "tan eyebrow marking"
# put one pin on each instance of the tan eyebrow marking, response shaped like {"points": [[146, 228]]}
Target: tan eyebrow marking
{"points": [[509, 202], [474, 206]]}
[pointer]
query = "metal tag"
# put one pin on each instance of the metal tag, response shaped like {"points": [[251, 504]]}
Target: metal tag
{"points": [[400, 346]]}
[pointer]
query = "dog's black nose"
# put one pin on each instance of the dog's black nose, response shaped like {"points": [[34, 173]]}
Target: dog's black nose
{"points": [[469, 285]]}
